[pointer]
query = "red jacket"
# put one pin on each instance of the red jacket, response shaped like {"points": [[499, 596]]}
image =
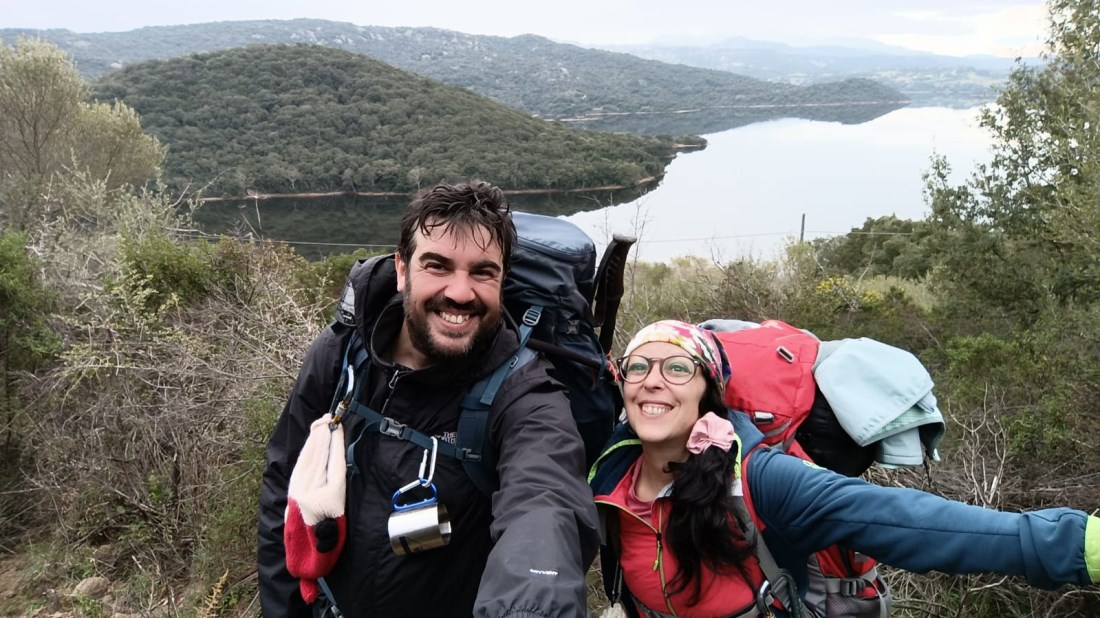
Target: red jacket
{"points": [[649, 566]]}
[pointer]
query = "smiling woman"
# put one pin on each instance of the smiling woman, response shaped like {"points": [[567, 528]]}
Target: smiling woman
{"points": [[732, 526]]}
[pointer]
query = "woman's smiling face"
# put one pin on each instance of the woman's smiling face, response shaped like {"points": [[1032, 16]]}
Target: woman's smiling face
{"points": [[661, 412]]}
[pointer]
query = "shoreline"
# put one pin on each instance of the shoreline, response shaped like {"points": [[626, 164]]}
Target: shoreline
{"points": [[313, 194], [746, 106]]}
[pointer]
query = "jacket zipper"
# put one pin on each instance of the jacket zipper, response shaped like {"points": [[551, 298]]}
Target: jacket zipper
{"points": [[658, 564], [392, 384]]}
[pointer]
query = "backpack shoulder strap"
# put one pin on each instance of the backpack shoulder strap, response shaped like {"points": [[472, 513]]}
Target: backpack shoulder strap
{"points": [[346, 399], [352, 370], [778, 583], [473, 446]]}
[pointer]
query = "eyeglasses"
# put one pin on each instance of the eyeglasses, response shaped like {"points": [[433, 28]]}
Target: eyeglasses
{"points": [[674, 369]]}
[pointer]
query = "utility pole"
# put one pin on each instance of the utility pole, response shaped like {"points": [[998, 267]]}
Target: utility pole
{"points": [[802, 231]]}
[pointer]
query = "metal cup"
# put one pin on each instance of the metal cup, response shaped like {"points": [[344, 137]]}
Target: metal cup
{"points": [[419, 527]]}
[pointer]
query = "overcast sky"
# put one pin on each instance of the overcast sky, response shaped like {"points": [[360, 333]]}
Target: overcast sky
{"points": [[953, 27]]}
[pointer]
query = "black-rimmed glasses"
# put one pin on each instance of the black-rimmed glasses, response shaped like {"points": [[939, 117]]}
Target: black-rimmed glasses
{"points": [[674, 369]]}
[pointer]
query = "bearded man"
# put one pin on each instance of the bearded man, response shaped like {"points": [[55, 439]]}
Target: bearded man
{"points": [[432, 320]]}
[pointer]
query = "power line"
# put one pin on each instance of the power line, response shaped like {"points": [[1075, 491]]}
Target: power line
{"points": [[199, 234], [333, 244], [642, 240]]}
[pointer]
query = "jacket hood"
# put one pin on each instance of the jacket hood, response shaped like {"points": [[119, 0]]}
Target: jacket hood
{"points": [[370, 286]]}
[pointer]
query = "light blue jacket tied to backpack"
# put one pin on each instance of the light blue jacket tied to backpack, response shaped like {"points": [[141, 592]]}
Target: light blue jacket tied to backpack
{"points": [[881, 395]]}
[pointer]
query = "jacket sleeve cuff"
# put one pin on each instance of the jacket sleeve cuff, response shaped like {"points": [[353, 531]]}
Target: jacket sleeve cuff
{"points": [[1092, 548]]}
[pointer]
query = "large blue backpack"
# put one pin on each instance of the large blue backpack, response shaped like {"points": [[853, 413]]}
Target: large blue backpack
{"points": [[558, 299]]}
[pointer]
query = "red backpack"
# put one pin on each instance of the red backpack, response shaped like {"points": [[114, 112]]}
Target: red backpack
{"points": [[771, 377], [772, 381]]}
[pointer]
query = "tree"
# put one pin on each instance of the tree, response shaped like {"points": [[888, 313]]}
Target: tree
{"points": [[1018, 259], [881, 246], [48, 126], [1021, 237], [40, 91], [26, 339], [108, 143]]}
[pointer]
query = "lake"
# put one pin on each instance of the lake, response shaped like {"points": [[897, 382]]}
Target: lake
{"points": [[744, 195]]}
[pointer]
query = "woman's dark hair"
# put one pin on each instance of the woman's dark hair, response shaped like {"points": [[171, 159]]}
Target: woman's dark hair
{"points": [[463, 207], [704, 528]]}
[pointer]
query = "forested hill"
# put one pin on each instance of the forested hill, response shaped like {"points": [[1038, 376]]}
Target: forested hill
{"points": [[279, 118], [526, 72]]}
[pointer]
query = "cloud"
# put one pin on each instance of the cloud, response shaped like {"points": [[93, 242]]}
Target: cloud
{"points": [[941, 26], [918, 15], [1010, 31]]}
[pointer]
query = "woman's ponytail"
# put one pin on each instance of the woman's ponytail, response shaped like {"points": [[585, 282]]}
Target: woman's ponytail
{"points": [[701, 530]]}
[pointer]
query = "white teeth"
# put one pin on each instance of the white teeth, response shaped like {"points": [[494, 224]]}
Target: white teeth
{"points": [[654, 410], [454, 319]]}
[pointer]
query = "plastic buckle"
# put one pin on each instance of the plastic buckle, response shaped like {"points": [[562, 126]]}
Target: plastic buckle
{"points": [[392, 428], [531, 317], [851, 587]]}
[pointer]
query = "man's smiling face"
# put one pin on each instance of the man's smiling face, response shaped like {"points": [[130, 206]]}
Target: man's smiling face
{"points": [[452, 285]]}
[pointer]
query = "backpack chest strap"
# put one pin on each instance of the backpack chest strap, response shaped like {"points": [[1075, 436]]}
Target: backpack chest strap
{"points": [[395, 429]]}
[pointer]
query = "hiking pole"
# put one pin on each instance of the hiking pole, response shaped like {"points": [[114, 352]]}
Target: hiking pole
{"points": [[609, 287]]}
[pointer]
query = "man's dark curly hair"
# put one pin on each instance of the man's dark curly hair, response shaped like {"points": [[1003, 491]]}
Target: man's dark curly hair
{"points": [[463, 208]]}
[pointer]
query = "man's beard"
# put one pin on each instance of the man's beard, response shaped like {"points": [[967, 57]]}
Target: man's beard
{"points": [[421, 337]]}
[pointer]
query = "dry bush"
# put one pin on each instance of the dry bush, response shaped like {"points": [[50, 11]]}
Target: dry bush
{"points": [[148, 434], [163, 413], [695, 289]]}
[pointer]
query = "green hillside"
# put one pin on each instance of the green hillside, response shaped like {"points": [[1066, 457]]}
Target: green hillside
{"points": [[526, 72], [307, 118]]}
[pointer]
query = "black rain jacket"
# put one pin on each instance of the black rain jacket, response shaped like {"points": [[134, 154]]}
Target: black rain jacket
{"points": [[522, 552]]}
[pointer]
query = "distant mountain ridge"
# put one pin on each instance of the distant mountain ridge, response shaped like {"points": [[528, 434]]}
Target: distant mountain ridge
{"points": [[924, 78], [307, 118], [529, 73]]}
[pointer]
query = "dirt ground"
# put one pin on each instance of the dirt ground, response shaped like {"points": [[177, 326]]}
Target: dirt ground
{"points": [[12, 568]]}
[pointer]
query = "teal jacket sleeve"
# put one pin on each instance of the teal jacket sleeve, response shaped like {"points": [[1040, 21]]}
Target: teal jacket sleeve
{"points": [[805, 508]]}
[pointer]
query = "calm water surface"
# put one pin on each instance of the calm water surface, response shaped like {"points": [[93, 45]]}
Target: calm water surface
{"points": [[745, 194]]}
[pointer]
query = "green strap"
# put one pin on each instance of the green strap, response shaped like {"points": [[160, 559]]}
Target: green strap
{"points": [[1092, 548]]}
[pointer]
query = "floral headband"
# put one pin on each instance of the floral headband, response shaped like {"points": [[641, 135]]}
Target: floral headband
{"points": [[698, 343]]}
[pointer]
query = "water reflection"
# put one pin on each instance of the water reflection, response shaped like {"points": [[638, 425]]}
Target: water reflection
{"points": [[322, 226], [745, 194]]}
